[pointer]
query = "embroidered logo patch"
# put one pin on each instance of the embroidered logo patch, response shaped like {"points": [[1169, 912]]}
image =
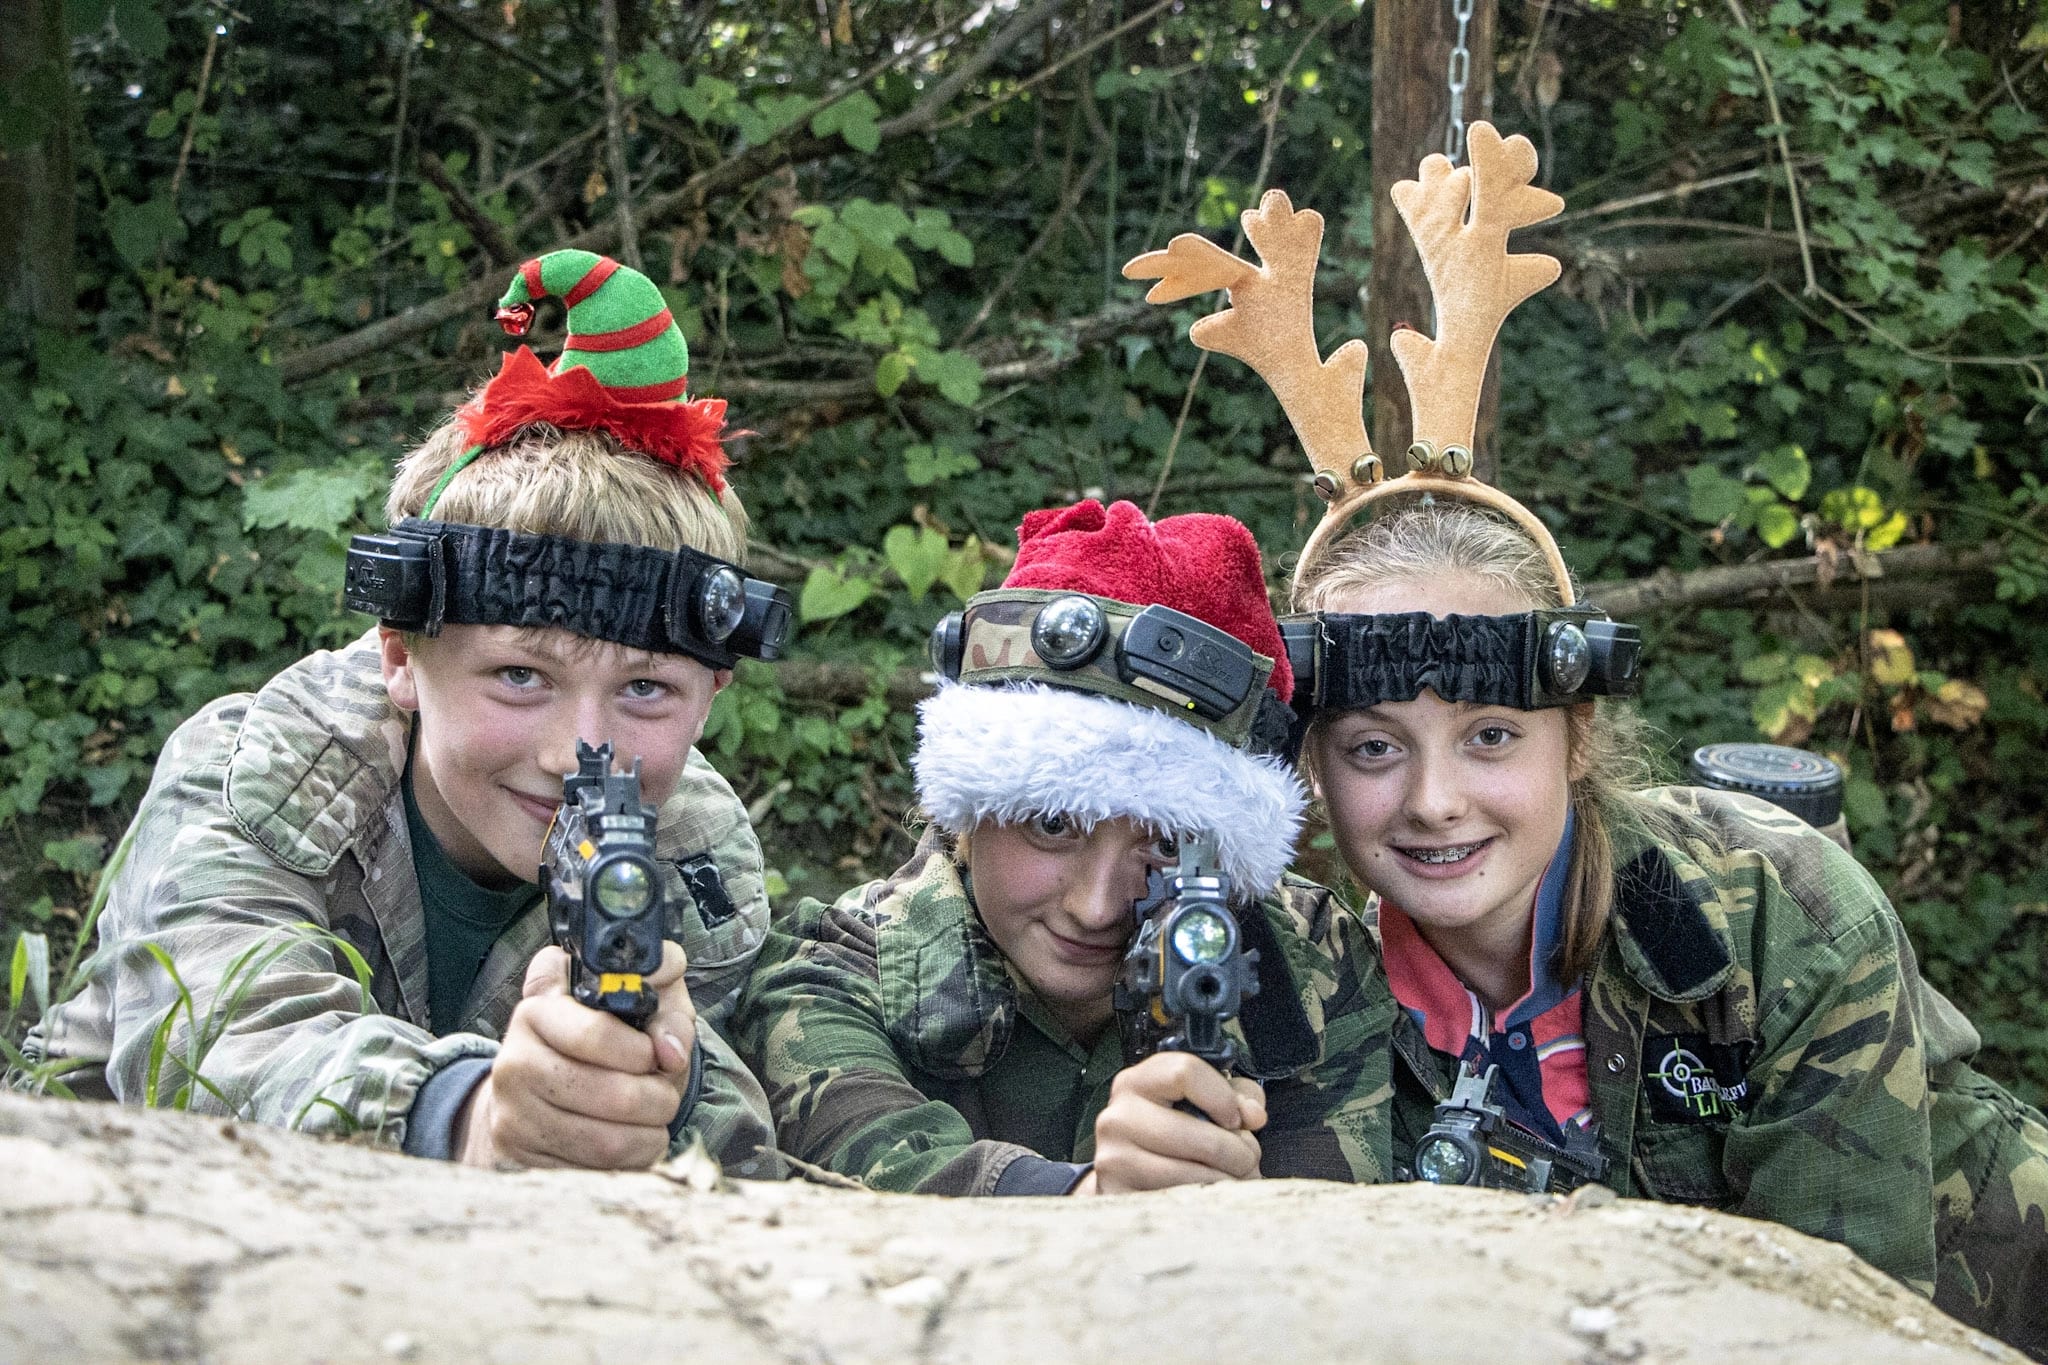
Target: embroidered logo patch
{"points": [[1690, 1080]]}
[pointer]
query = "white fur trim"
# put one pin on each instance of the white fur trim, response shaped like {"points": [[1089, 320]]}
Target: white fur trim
{"points": [[1007, 753]]}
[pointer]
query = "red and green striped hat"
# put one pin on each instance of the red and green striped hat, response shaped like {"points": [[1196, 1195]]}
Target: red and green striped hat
{"points": [[624, 369]]}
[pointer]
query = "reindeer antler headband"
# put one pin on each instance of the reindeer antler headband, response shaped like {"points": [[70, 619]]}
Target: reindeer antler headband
{"points": [[1460, 219]]}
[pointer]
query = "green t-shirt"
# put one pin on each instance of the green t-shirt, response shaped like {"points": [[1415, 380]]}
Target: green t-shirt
{"points": [[463, 919]]}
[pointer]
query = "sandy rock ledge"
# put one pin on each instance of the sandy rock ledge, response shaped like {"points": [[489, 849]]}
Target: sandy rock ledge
{"points": [[127, 1235]]}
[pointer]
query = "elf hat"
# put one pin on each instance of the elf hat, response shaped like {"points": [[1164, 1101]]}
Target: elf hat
{"points": [[624, 369], [1125, 668]]}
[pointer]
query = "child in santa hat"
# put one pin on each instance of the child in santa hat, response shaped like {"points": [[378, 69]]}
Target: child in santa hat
{"points": [[950, 1029]]}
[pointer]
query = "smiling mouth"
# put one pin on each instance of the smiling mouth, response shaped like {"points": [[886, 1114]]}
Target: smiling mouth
{"points": [[1449, 853], [1091, 952], [541, 806]]}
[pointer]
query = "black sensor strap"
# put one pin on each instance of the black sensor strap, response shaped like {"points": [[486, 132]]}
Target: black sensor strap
{"points": [[422, 575], [1528, 661]]}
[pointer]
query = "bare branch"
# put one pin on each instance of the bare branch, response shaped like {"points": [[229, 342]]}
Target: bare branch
{"points": [[467, 211]]}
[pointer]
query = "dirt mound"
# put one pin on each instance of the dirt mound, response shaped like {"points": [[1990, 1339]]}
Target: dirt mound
{"points": [[139, 1236]]}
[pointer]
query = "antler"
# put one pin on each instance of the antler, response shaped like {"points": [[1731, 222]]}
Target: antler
{"points": [[1269, 325], [1475, 282]]}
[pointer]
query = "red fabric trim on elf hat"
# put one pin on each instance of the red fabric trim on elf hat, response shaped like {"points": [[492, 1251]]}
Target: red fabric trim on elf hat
{"points": [[592, 278], [524, 394], [1199, 562], [622, 338], [530, 272]]}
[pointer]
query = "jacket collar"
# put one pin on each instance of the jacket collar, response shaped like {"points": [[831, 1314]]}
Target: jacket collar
{"points": [[1668, 940], [949, 1004], [318, 755]]}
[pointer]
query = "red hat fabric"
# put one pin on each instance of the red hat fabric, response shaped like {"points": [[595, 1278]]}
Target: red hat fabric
{"points": [[1199, 562], [1011, 751]]}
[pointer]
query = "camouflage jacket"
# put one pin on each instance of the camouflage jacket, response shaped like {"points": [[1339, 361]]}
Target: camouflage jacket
{"points": [[898, 1047], [1753, 1034], [277, 816]]}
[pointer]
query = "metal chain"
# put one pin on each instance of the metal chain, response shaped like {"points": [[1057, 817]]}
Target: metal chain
{"points": [[1461, 69]]}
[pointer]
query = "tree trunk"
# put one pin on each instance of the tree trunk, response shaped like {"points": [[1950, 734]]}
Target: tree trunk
{"points": [[1411, 106], [136, 1235], [36, 178]]}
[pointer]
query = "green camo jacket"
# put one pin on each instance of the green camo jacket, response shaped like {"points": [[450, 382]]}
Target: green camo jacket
{"points": [[1835, 1094], [1756, 953], [285, 807], [898, 1047]]}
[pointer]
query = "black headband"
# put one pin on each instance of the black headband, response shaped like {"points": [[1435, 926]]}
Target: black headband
{"points": [[421, 575], [1557, 656]]}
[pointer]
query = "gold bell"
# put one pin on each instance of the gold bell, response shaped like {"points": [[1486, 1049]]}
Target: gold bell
{"points": [[1457, 461], [1326, 486], [1421, 456], [1366, 469]]}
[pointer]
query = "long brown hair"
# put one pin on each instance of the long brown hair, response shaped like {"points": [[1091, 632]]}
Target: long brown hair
{"points": [[1426, 540]]}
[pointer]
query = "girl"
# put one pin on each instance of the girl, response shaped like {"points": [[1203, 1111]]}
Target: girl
{"points": [[1711, 986], [1686, 994], [950, 1029]]}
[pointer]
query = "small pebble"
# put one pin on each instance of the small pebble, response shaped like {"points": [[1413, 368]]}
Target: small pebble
{"points": [[399, 1346], [1906, 1325], [922, 1291], [809, 1290], [1592, 1322]]}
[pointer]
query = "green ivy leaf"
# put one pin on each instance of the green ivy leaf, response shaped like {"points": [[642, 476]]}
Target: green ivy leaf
{"points": [[925, 465], [828, 593], [319, 500], [917, 554], [956, 374], [138, 230], [853, 118], [1776, 525], [1712, 496], [890, 372], [1787, 470], [965, 569]]}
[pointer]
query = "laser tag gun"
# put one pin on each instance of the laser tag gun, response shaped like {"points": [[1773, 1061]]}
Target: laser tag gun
{"points": [[1185, 973], [604, 890], [1473, 1142]]}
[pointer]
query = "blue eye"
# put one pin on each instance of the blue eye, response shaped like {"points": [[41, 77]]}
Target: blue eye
{"points": [[1493, 736], [1052, 825], [518, 676], [646, 689]]}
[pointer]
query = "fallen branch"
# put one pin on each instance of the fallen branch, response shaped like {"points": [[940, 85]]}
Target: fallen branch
{"points": [[1667, 592]]}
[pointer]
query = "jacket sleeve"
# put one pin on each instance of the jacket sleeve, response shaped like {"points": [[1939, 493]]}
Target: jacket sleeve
{"points": [[810, 1023], [1836, 1143], [256, 1013], [1333, 1121]]}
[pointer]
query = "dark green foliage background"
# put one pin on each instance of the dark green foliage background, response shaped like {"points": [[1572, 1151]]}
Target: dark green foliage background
{"points": [[926, 344]]}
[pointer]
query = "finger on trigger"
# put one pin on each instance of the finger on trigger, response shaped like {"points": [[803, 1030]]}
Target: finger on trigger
{"points": [[547, 973], [674, 962], [1251, 1102]]}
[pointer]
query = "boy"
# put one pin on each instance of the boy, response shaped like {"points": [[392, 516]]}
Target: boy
{"points": [[558, 570], [952, 1029]]}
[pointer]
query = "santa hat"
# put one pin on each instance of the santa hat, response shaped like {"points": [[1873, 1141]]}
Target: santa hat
{"points": [[1046, 741], [624, 369]]}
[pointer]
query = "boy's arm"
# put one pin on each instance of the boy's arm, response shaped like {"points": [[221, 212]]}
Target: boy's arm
{"points": [[1334, 1120], [259, 1012], [810, 1024]]}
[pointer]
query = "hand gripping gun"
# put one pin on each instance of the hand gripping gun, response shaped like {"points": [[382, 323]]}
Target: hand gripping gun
{"points": [[1186, 972], [605, 901]]}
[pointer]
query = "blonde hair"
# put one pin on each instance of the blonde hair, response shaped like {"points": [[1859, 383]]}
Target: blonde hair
{"points": [[1416, 541], [581, 484]]}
